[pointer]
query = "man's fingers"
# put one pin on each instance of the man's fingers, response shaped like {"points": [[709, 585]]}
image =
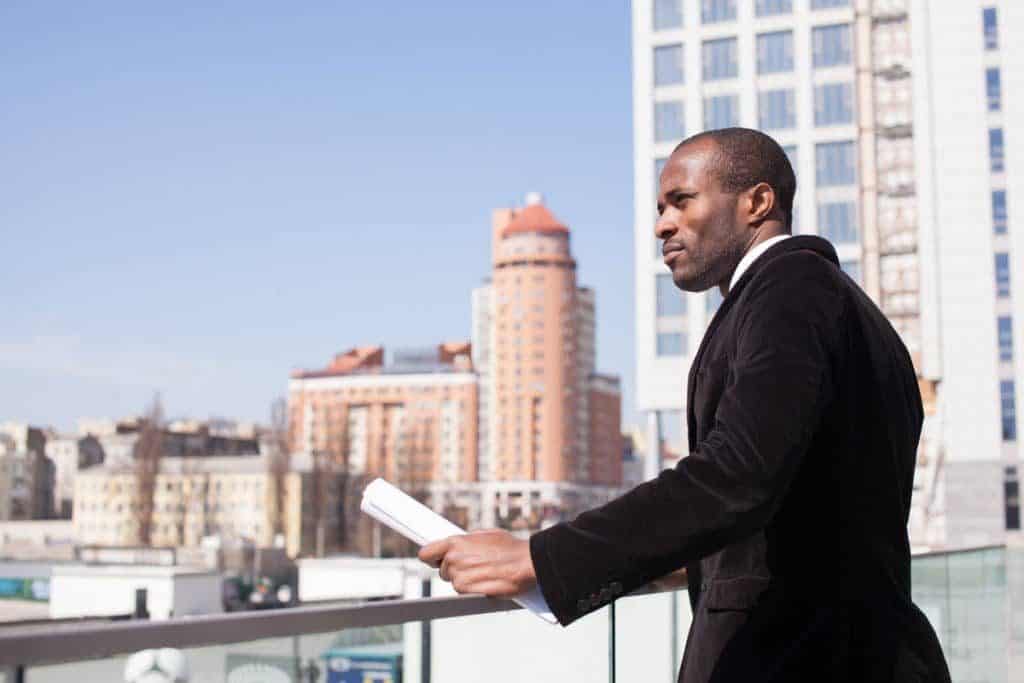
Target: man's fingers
{"points": [[433, 553]]}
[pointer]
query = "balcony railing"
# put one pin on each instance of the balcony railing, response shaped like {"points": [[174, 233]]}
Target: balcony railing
{"points": [[968, 595]]}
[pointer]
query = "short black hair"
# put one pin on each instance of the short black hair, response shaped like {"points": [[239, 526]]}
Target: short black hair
{"points": [[746, 157]]}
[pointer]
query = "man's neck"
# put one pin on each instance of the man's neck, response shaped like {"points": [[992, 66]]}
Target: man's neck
{"points": [[762, 234]]}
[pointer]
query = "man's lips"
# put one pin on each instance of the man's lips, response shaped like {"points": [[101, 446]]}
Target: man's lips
{"points": [[671, 252]]}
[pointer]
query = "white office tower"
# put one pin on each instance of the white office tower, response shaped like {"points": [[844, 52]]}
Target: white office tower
{"points": [[895, 114]]}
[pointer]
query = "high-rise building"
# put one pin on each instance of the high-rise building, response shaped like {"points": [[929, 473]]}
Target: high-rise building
{"points": [[904, 161], [27, 486]]}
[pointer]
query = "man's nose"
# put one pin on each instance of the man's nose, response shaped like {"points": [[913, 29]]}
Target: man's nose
{"points": [[664, 227]]}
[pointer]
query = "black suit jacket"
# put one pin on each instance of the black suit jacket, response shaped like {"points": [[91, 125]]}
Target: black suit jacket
{"points": [[790, 510]]}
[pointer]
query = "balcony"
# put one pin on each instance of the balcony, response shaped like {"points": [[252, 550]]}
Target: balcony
{"points": [[972, 598]]}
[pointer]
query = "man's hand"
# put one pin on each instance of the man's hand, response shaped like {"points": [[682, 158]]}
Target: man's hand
{"points": [[492, 562]]}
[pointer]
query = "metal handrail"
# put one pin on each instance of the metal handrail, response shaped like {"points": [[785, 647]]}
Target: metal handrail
{"points": [[52, 644]]}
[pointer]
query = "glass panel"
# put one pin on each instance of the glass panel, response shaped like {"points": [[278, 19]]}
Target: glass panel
{"points": [[720, 59], [833, 104], [1008, 409], [825, 4], [837, 222], [1005, 326], [669, 121], [1002, 275], [671, 344], [776, 110], [999, 211], [668, 14], [991, 28], [669, 299], [832, 45], [712, 11], [668, 64], [765, 8], [721, 112], [835, 163], [996, 152], [993, 89], [774, 52]]}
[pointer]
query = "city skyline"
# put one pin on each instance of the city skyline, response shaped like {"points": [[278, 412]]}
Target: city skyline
{"points": [[206, 250]]}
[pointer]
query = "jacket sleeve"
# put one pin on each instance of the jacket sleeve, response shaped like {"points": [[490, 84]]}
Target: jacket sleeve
{"points": [[730, 486]]}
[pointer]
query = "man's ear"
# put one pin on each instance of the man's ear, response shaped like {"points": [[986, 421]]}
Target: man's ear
{"points": [[760, 202]]}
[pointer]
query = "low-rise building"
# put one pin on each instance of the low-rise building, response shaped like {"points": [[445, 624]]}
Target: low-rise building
{"points": [[70, 454]]}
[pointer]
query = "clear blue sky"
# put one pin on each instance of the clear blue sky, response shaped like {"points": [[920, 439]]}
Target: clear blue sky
{"points": [[197, 199]]}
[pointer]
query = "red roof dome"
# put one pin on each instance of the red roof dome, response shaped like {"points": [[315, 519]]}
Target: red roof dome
{"points": [[534, 218]]}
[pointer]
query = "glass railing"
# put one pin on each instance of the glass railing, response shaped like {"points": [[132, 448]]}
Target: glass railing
{"points": [[969, 596]]}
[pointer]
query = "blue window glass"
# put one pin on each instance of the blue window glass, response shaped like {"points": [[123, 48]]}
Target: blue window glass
{"points": [[712, 11], [851, 268], [776, 109], [826, 4], [991, 25], [996, 150], [767, 8], [713, 300], [999, 211], [720, 59], [831, 45], [668, 64], [669, 300], [837, 222], [1008, 408], [721, 111], [1005, 338], [671, 344], [835, 163], [994, 89], [1002, 275], [774, 52], [833, 104], [669, 123], [668, 14]]}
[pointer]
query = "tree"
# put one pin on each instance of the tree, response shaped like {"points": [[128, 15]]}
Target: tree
{"points": [[148, 453]]}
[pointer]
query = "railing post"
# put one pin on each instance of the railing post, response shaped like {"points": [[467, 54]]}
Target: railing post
{"points": [[141, 609], [425, 640], [611, 643]]}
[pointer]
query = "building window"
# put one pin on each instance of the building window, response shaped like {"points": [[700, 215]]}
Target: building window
{"points": [[833, 104], [668, 14], [827, 4], [1005, 325], [774, 52], [669, 300], [767, 8], [851, 268], [1008, 408], [1002, 275], [1011, 498], [831, 45], [835, 164], [837, 222], [996, 152], [720, 59], [721, 111], [669, 123], [712, 11], [988, 18], [668, 64], [776, 110], [994, 89], [671, 344], [999, 211]]}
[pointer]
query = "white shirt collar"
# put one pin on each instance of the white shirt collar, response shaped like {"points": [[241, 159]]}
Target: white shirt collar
{"points": [[751, 256]]}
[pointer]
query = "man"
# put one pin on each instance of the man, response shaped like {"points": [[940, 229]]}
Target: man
{"points": [[804, 415]]}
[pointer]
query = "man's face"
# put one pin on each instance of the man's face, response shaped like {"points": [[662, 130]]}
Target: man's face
{"points": [[702, 237]]}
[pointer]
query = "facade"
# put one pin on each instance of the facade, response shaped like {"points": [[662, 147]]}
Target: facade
{"points": [[70, 454], [230, 497], [903, 162], [26, 474]]}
